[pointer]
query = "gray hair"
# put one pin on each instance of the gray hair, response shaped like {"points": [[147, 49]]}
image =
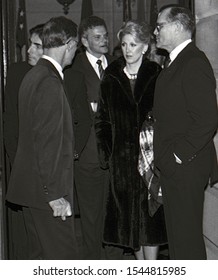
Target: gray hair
{"points": [[183, 16]]}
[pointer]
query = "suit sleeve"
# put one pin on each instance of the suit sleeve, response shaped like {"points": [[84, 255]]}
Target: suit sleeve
{"points": [[48, 130], [103, 126], [200, 96]]}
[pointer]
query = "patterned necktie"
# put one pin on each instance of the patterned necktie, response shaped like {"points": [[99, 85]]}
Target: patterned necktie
{"points": [[100, 69]]}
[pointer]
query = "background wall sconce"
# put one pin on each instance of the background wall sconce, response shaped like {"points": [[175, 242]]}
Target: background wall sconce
{"points": [[66, 4]]}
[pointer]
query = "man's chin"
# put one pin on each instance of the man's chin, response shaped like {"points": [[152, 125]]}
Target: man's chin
{"points": [[104, 50], [31, 62]]}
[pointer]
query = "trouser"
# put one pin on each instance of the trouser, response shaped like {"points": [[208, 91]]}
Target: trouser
{"points": [[91, 182], [49, 237], [183, 198], [17, 233]]}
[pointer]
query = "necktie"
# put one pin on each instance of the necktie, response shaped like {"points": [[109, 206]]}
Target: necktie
{"points": [[100, 69], [167, 62]]}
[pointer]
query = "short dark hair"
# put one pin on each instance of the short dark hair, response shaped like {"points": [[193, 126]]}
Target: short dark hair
{"points": [[57, 31], [89, 23], [37, 30], [182, 15]]}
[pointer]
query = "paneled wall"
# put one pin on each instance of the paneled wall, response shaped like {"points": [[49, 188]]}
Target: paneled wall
{"points": [[39, 11]]}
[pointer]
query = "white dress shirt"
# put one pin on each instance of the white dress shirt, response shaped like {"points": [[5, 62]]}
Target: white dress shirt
{"points": [[93, 59]]}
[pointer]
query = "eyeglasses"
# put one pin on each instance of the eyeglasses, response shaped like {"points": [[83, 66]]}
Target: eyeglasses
{"points": [[159, 26], [68, 41]]}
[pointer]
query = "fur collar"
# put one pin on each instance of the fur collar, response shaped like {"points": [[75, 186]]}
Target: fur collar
{"points": [[147, 72]]}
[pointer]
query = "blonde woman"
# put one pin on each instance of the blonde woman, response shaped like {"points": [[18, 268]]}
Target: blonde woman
{"points": [[125, 101]]}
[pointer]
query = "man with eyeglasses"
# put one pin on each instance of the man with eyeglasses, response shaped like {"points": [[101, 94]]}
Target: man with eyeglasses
{"points": [[41, 180], [185, 109], [90, 179]]}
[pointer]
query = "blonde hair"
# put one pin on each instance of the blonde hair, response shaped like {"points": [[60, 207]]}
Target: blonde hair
{"points": [[140, 31]]}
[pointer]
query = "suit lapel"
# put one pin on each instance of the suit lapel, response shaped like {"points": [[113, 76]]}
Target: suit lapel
{"points": [[88, 67], [179, 60]]}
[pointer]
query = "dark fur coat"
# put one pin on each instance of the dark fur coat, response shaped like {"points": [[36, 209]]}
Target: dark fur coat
{"points": [[120, 115]]}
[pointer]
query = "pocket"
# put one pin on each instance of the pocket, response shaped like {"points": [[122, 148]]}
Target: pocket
{"points": [[167, 163]]}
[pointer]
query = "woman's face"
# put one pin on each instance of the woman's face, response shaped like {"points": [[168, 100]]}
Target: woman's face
{"points": [[132, 50]]}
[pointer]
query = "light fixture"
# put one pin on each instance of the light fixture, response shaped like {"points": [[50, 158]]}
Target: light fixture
{"points": [[66, 4]]}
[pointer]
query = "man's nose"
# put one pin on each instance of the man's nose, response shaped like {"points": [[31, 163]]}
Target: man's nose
{"points": [[105, 39], [28, 51]]}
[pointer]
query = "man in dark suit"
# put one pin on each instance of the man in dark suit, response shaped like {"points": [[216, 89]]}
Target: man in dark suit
{"points": [[90, 179], [77, 97], [15, 75], [185, 109], [41, 180], [76, 93]]}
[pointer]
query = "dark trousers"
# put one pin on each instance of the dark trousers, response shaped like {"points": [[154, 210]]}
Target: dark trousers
{"points": [[91, 182], [17, 234], [183, 197], [48, 237]]}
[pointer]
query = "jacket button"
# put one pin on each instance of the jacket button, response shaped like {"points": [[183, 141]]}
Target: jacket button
{"points": [[45, 190]]}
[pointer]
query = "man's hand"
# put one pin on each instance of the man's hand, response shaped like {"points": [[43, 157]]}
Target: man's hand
{"points": [[61, 208]]}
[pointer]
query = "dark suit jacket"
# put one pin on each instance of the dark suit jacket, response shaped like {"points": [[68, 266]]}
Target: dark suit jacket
{"points": [[77, 96], [15, 75], [43, 166], [92, 81], [185, 109]]}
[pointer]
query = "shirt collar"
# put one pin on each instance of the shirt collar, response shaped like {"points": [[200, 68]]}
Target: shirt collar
{"points": [[56, 65], [93, 59], [178, 49]]}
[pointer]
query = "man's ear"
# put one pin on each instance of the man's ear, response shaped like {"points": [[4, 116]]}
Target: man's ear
{"points": [[84, 41], [69, 46], [179, 27]]}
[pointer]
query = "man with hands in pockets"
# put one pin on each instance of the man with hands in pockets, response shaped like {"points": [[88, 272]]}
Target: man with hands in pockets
{"points": [[185, 110]]}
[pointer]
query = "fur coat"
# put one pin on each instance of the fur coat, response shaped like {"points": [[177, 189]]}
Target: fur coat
{"points": [[119, 119]]}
